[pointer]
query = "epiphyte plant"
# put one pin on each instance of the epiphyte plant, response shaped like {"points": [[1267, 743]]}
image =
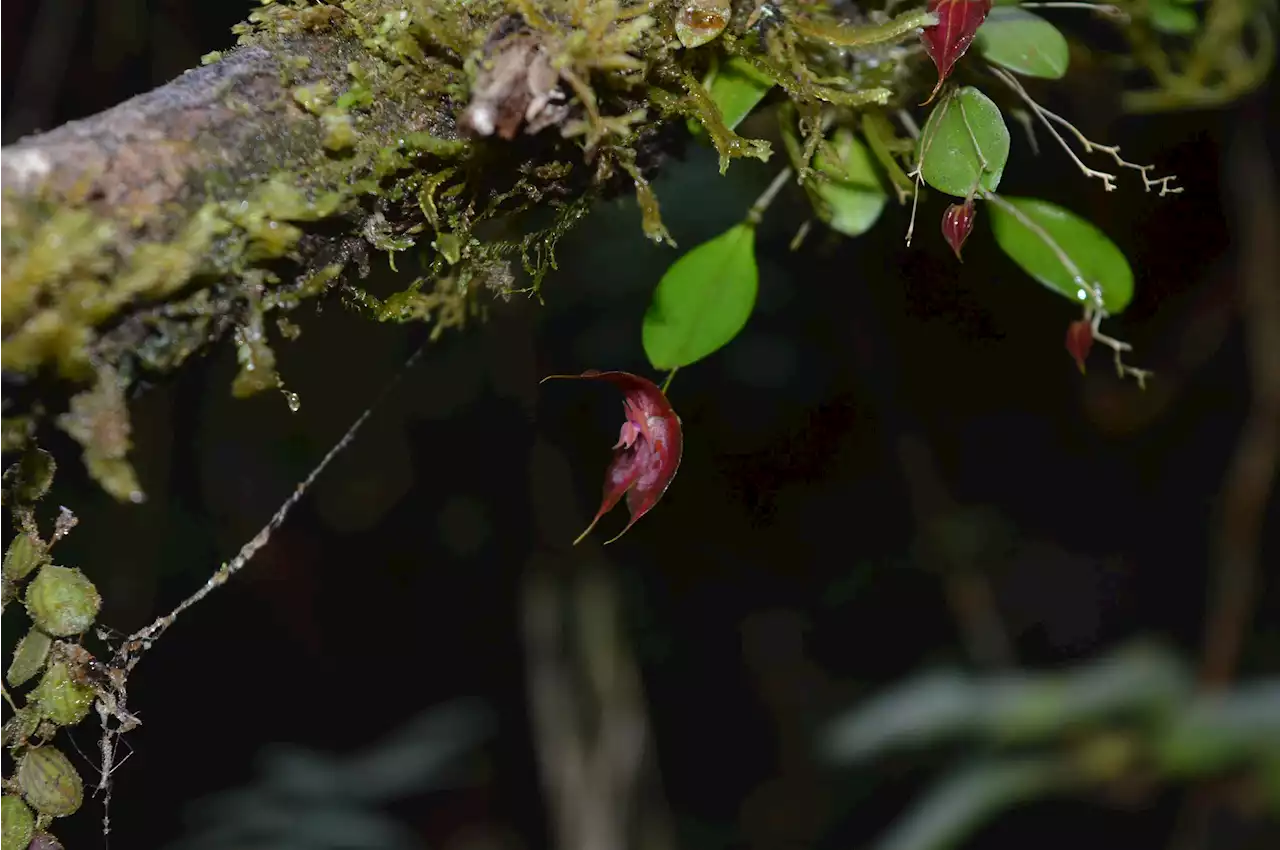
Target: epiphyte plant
{"points": [[841, 146], [842, 154]]}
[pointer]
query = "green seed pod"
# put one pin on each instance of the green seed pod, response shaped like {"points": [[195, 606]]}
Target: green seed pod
{"points": [[25, 553], [700, 21], [28, 657], [34, 476], [49, 782], [21, 726], [62, 601], [16, 823], [60, 698]]}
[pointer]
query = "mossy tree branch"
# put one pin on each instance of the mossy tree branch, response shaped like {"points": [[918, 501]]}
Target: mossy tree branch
{"points": [[269, 176]]}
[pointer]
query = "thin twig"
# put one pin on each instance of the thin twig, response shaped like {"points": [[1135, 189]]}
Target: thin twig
{"points": [[141, 640], [1048, 118], [1104, 9], [111, 700]]}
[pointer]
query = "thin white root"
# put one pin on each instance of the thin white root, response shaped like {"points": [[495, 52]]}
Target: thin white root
{"points": [[1048, 119]]}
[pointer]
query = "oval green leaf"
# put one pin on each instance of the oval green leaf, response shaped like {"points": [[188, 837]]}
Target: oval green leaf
{"points": [[1026, 236], [850, 199], [1172, 17], [736, 88], [703, 300], [965, 138], [1024, 43]]}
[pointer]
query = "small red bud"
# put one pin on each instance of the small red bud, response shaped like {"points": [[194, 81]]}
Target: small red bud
{"points": [[957, 222], [1079, 341]]}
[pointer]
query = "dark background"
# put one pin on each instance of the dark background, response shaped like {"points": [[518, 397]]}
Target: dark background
{"points": [[878, 397]]}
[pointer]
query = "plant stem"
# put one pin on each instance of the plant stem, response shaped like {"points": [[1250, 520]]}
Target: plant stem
{"points": [[846, 35], [875, 127], [1067, 262], [1101, 8], [766, 197]]}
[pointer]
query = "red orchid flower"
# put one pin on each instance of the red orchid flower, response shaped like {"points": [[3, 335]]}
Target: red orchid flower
{"points": [[947, 41], [647, 453]]}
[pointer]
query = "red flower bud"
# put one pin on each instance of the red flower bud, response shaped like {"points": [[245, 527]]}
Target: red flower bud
{"points": [[1079, 341], [957, 222]]}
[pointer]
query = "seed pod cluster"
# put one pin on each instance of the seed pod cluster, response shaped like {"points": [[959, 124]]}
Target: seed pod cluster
{"points": [[49, 782]]}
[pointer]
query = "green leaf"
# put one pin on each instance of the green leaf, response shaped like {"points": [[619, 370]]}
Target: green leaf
{"points": [[850, 198], [736, 87], [1172, 17], [969, 796], [703, 300], [1024, 43], [933, 708], [965, 138], [1026, 232]]}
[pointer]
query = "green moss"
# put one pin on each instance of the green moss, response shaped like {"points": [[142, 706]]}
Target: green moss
{"points": [[339, 130], [67, 243], [314, 97], [157, 270]]}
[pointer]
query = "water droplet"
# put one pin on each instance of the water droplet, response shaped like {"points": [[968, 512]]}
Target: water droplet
{"points": [[291, 398]]}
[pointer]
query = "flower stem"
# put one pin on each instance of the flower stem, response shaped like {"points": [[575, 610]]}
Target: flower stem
{"points": [[766, 197]]}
